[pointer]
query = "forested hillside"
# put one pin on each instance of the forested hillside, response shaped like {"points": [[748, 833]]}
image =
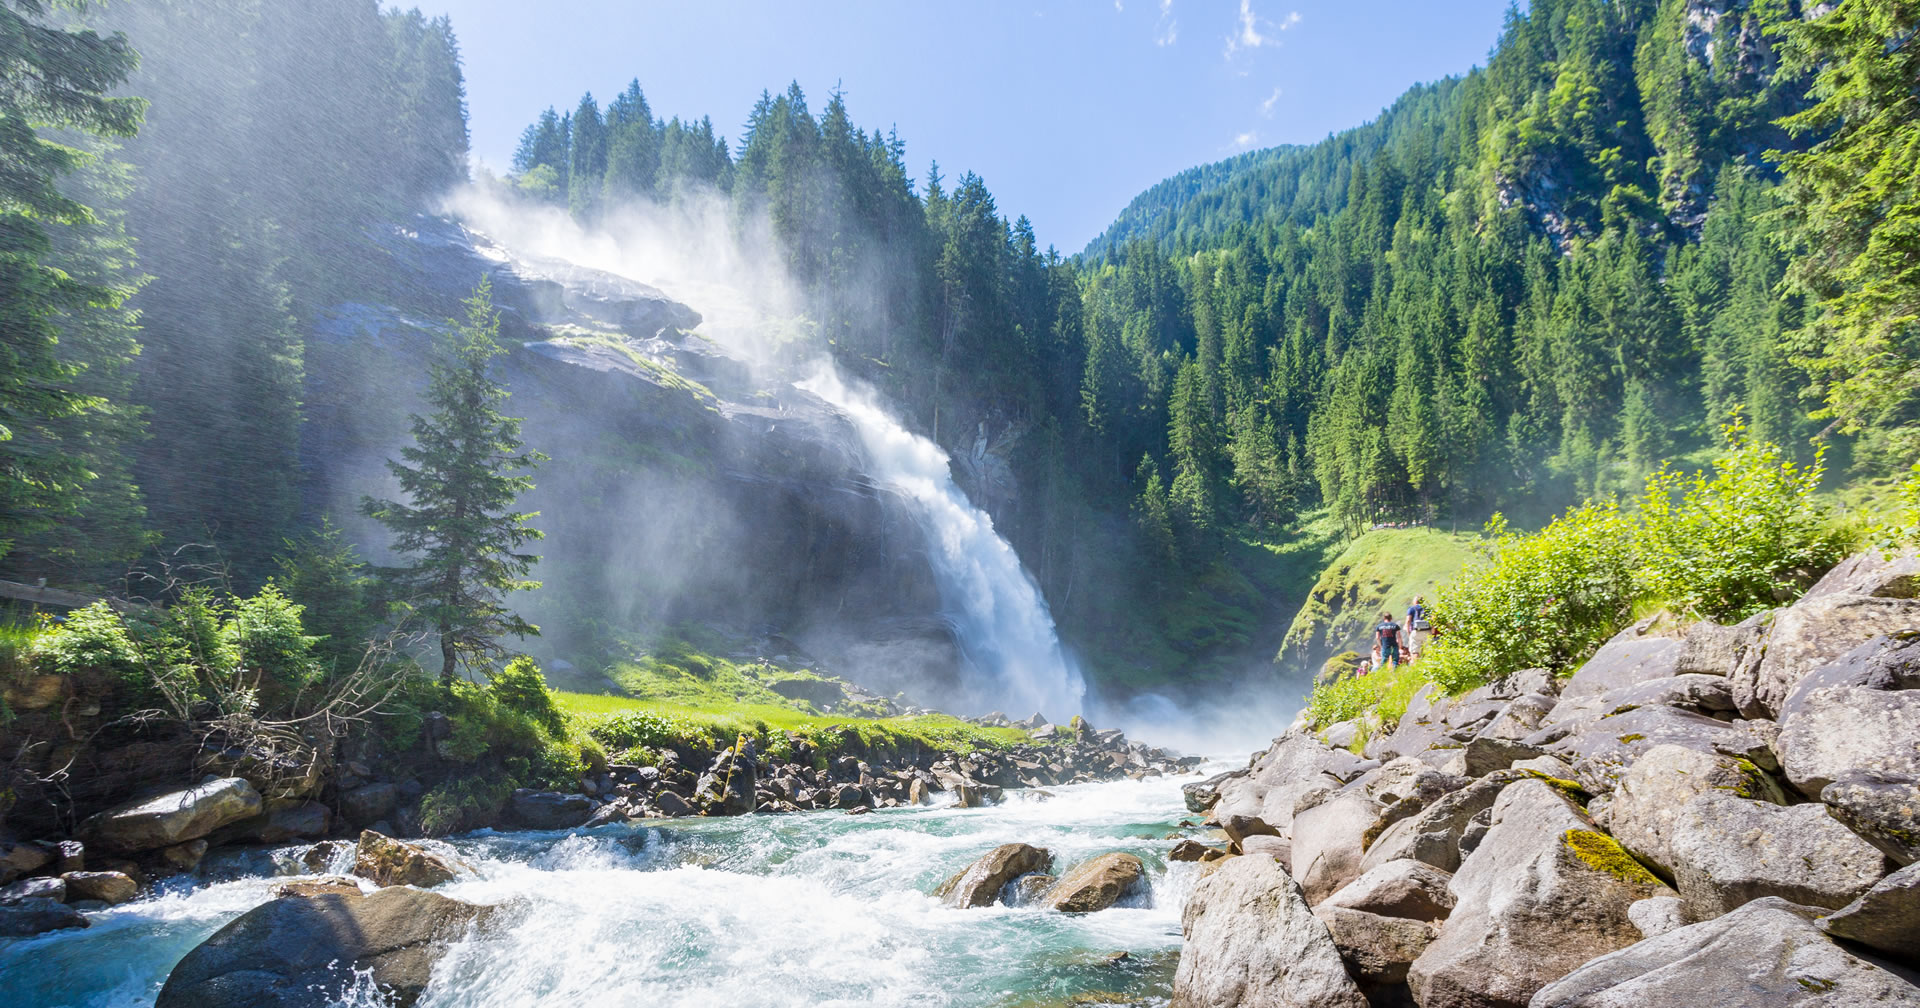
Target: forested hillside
{"points": [[1516, 288]]}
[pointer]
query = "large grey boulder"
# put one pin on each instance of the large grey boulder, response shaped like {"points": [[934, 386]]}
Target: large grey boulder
{"points": [[1377, 949], [1649, 803], [550, 810], [1624, 661], [1883, 808], [1252, 942], [1808, 634], [1710, 695], [1403, 888], [1602, 751], [1708, 648], [301, 951], [1840, 729], [1097, 884], [171, 818], [979, 883], [1887, 918], [1330, 832], [1499, 743], [1728, 851], [1542, 893], [1765, 953]]}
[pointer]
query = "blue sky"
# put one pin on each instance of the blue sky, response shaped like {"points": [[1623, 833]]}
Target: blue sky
{"points": [[1066, 110]]}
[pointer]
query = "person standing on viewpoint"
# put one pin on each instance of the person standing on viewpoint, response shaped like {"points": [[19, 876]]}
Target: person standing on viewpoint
{"points": [[1417, 627], [1386, 637]]}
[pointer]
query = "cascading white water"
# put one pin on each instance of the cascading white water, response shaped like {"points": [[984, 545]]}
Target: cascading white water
{"points": [[999, 615]]}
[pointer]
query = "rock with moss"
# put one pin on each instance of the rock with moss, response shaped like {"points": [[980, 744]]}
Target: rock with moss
{"points": [[1096, 884], [1603, 751], [979, 883], [388, 862], [1766, 953], [1543, 893], [1728, 851], [1252, 942], [1883, 808], [1649, 802]]}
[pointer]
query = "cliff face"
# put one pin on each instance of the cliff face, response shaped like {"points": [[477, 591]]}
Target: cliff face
{"points": [[682, 485], [1723, 815]]}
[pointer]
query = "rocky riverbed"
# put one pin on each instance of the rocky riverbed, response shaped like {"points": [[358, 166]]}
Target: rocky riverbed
{"points": [[1701, 815]]}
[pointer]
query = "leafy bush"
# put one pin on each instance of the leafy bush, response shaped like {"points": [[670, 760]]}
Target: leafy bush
{"points": [[273, 649], [520, 687], [95, 644], [1545, 600], [1750, 537], [462, 804], [1340, 700]]}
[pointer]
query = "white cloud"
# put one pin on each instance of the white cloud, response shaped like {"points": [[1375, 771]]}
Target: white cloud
{"points": [[1266, 107], [1168, 29], [1118, 7], [1254, 32], [1245, 140]]}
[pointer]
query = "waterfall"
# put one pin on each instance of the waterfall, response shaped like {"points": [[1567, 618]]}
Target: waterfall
{"points": [[998, 613]]}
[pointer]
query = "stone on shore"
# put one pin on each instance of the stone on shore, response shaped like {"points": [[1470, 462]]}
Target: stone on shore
{"points": [[109, 887], [171, 818], [1765, 953], [1252, 942], [28, 917]]}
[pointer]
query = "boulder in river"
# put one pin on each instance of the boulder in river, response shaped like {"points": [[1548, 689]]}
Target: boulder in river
{"points": [[108, 887], [1096, 884], [29, 917], [1252, 942], [389, 862], [979, 884], [301, 951], [1765, 953], [171, 818]]}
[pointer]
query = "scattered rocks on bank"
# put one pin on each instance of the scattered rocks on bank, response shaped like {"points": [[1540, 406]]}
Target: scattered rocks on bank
{"points": [[300, 951], [1662, 827]]}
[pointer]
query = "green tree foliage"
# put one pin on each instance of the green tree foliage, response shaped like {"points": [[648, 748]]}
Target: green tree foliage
{"points": [[64, 421], [322, 569], [461, 476], [1854, 211], [520, 687]]}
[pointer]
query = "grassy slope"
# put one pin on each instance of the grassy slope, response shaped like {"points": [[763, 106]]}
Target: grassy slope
{"points": [[1383, 569], [721, 698]]}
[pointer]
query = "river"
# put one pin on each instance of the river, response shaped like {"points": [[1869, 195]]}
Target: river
{"points": [[808, 909]]}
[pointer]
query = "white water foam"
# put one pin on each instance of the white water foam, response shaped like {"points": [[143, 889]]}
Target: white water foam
{"points": [[999, 615]]}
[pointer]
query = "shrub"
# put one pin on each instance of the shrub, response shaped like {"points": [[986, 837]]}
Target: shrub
{"points": [[265, 633], [465, 803], [520, 687], [1749, 537], [1545, 600], [1341, 700], [94, 644]]}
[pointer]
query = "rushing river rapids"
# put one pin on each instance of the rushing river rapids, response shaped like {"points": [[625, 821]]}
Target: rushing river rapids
{"points": [[811, 909]]}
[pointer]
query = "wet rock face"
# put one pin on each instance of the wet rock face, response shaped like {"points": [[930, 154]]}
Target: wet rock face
{"points": [[37, 915], [172, 818], [300, 951], [979, 884]]}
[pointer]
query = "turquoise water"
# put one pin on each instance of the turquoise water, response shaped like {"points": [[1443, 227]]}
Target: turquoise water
{"points": [[811, 909]]}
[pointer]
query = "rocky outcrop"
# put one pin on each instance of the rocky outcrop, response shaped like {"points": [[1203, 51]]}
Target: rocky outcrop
{"points": [[302, 951], [980, 883], [171, 818], [1252, 942], [1096, 884], [1765, 953], [1404, 888], [389, 862], [27, 917]]}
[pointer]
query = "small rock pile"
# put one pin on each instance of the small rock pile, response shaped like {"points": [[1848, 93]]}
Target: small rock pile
{"points": [[743, 781], [1716, 816], [1015, 874]]}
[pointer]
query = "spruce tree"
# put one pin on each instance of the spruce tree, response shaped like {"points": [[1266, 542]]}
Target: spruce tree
{"points": [[462, 475]]}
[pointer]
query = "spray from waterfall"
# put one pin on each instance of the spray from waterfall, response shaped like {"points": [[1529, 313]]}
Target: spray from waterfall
{"points": [[697, 251], [997, 611]]}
